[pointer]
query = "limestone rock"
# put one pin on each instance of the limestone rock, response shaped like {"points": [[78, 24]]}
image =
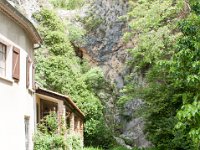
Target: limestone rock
{"points": [[105, 48], [133, 127], [105, 44]]}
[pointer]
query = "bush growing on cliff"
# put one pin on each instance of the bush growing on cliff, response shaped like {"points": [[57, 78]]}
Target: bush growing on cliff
{"points": [[164, 52], [68, 4], [184, 74], [59, 69]]}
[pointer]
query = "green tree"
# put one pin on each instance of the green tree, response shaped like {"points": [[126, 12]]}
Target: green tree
{"points": [[157, 35], [59, 69], [184, 72]]}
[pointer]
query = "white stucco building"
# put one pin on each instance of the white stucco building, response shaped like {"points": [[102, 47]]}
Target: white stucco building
{"points": [[22, 105], [18, 38]]}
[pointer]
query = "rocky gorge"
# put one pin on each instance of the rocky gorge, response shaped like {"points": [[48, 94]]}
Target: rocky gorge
{"points": [[104, 47]]}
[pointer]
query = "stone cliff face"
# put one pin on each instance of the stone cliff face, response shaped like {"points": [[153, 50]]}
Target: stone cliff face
{"points": [[133, 125], [27, 7], [104, 43], [105, 48]]}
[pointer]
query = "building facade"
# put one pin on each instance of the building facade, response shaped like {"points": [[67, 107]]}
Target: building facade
{"points": [[22, 104], [18, 38]]}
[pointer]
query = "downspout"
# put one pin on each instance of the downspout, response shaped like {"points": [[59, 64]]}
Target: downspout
{"points": [[37, 46]]}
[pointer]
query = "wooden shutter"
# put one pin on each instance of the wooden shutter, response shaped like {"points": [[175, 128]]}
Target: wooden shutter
{"points": [[33, 76], [28, 65], [16, 64]]}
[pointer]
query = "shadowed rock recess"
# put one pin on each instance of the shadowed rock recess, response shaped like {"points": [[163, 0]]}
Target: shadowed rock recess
{"points": [[105, 48]]}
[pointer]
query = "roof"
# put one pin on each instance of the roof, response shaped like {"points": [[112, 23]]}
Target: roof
{"points": [[15, 15], [59, 96]]}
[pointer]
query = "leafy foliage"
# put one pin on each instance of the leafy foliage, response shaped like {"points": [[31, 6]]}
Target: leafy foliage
{"points": [[75, 142], [47, 136], [91, 22], [59, 69], [68, 4], [166, 56], [184, 68]]}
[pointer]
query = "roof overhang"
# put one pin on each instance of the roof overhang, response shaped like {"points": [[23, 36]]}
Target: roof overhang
{"points": [[15, 15], [61, 97]]}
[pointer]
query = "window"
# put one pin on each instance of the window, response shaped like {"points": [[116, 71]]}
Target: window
{"points": [[38, 112], [30, 68], [68, 119], [26, 125], [2, 60], [33, 76], [16, 64], [28, 65], [76, 120], [46, 107]]}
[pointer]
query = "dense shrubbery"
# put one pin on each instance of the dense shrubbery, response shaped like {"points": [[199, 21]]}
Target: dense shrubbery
{"points": [[59, 69], [48, 137], [166, 54], [74, 142], [184, 73], [51, 136]]}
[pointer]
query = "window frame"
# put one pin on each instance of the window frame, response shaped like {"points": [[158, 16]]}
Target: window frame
{"points": [[16, 64], [27, 131], [28, 72], [5, 69]]}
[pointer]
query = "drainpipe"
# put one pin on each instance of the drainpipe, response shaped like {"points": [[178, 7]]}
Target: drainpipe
{"points": [[36, 46]]}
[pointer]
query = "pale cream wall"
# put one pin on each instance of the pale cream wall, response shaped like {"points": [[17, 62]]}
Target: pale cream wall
{"points": [[16, 101], [14, 32]]}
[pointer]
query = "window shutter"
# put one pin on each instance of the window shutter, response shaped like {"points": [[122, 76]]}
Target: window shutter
{"points": [[33, 76], [28, 64], [16, 64]]}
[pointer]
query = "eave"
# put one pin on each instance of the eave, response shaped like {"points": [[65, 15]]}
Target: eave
{"points": [[59, 97]]}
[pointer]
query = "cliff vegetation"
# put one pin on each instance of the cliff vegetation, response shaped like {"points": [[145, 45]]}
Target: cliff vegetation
{"points": [[165, 53], [133, 67]]}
